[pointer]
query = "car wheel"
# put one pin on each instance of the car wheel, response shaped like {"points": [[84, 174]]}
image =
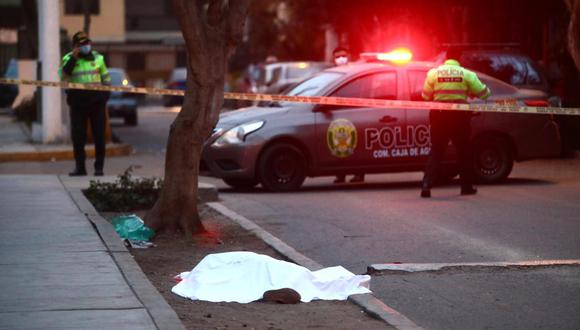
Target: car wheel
{"points": [[242, 184], [493, 160], [282, 167], [131, 119]]}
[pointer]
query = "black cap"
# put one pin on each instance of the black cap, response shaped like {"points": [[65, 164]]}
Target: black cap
{"points": [[80, 38]]}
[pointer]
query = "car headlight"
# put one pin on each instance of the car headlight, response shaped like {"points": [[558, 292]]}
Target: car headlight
{"points": [[238, 134]]}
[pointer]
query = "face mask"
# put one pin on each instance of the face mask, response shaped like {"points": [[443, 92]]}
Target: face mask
{"points": [[341, 60], [85, 50]]}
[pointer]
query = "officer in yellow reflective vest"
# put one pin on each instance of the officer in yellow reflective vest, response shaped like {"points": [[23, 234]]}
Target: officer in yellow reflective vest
{"points": [[451, 83], [85, 66]]}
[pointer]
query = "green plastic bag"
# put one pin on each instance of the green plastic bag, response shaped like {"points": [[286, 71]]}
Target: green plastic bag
{"points": [[132, 227]]}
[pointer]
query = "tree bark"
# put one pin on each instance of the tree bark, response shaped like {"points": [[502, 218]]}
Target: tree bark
{"points": [[574, 31], [211, 30]]}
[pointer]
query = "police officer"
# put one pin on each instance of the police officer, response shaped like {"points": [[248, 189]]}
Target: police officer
{"points": [[451, 83], [341, 57], [85, 66]]}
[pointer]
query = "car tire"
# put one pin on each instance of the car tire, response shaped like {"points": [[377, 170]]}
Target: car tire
{"points": [[282, 167], [131, 119], [241, 184], [493, 160]]}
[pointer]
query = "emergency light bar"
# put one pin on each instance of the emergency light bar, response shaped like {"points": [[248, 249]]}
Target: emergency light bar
{"points": [[397, 56]]}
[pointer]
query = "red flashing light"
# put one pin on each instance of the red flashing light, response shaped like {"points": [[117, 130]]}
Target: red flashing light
{"points": [[396, 56]]}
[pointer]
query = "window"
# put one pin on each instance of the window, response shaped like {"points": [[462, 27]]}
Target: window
{"points": [[498, 87], [181, 58], [416, 83], [375, 86], [135, 61], [510, 68], [75, 7], [534, 76], [314, 85]]}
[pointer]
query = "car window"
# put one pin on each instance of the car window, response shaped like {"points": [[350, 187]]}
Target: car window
{"points": [[503, 67], [313, 86], [178, 74], [381, 85], [303, 71], [276, 76], [510, 68], [481, 62], [514, 70], [416, 82], [534, 76], [498, 87]]}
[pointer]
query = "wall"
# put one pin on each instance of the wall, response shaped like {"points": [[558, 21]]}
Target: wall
{"points": [[108, 26]]}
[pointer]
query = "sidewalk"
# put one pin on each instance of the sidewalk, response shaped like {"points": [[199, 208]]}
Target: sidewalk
{"points": [[56, 272], [16, 145], [62, 266]]}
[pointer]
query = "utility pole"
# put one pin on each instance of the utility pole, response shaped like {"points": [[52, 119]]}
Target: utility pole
{"points": [[49, 57]]}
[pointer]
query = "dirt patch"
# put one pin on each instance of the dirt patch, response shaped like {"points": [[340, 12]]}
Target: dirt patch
{"points": [[173, 256]]}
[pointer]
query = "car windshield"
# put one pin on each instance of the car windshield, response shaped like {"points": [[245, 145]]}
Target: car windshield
{"points": [[513, 69], [178, 74], [297, 72], [313, 86]]}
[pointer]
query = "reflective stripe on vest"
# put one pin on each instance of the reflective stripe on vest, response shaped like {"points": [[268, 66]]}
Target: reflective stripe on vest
{"points": [[87, 71]]}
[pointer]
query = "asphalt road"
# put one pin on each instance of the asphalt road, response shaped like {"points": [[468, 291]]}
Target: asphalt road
{"points": [[533, 216]]}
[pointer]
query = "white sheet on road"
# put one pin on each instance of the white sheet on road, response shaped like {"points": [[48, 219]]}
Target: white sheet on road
{"points": [[244, 277]]}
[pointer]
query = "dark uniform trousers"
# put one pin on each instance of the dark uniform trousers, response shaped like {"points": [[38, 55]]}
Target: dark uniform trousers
{"points": [[80, 115], [454, 126]]}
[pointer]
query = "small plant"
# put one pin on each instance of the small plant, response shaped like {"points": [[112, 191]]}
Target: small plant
{"points": [[125, 194], [26, 111]]}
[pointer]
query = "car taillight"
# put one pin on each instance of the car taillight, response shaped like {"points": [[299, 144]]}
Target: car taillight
{"points": [[536, 103]]}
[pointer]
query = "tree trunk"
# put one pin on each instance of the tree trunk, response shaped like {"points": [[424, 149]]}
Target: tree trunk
{"points": [[176, 209], [574, 31], [211, 30]]}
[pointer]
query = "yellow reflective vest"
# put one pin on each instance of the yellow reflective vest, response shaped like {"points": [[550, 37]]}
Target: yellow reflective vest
{"points": [[87, 70], [452, 83]]}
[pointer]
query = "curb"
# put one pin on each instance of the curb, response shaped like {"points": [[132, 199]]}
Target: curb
{"points": [[160, 311], [63, 153], [475, 266], [369, 303]]}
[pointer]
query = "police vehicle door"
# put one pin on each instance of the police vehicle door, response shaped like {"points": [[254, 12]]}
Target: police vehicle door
{"points": [[418, 120], [352, 138]]}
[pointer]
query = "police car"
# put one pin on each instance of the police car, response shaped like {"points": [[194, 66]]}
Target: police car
{"points": [[281, 144]]}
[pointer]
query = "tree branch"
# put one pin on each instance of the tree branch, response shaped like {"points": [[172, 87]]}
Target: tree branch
{"points": [[215, 12], [188, 14], [237, 13]]}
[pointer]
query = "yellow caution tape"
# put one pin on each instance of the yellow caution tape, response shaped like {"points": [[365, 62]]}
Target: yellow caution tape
{"points": [[327, 100]]}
